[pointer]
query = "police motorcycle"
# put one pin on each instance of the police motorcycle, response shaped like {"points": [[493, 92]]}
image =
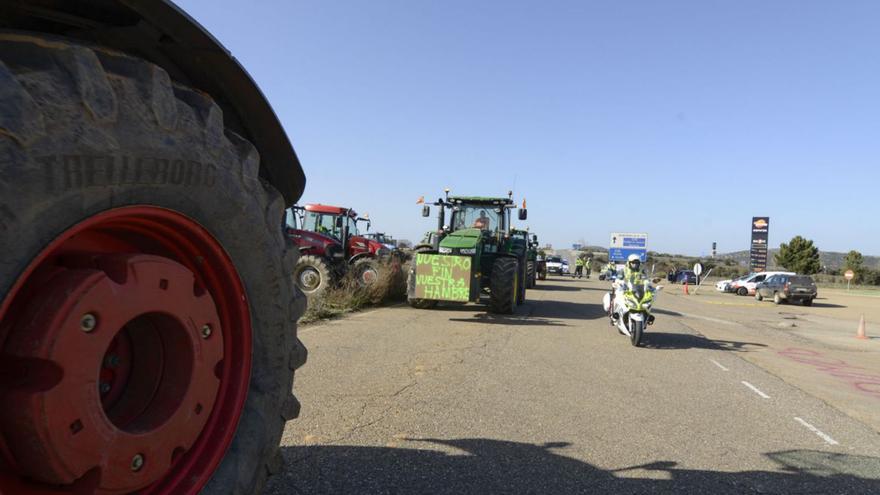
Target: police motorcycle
{"points": [[629, 307]]}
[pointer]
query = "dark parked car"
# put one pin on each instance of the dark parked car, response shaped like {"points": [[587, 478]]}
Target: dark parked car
{"points": [[679, 276], [787, 288]]}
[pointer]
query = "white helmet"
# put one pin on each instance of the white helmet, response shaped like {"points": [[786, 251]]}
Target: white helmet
{"points": [[634, 261]]}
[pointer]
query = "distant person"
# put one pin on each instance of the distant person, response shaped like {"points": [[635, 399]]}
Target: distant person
{"points": [[578, 267], [482, 222], [588, 266], [611, 271]]}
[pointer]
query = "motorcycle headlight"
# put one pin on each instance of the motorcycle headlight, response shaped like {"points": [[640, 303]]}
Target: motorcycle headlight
{"points": [[631, 302], [445, 250], [472, 250]]}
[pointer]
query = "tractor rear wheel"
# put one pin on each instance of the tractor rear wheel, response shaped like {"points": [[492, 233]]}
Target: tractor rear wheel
{"points": [[148, 320], [503, 286], [530, 274], [312, 275], [522, 282], [365, 271]]}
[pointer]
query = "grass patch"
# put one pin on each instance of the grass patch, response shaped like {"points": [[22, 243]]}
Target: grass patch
{"points": [[349, 296]]}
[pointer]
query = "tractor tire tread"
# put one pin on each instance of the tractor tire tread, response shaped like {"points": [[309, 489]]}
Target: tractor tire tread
{"points": [[502, 285]]}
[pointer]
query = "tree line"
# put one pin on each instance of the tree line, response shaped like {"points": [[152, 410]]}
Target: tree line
{"points": [[800, 255]]}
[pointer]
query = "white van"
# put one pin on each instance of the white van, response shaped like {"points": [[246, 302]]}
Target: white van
{"points": [[746, 286]]}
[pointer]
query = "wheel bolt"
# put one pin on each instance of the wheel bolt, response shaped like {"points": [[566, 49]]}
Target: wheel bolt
{"points": [[104, 387], [112, 361], [206, 331], [137, 462], [88, 322]]}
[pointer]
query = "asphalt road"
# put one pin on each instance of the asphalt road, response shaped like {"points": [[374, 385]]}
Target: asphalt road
{"points": [[554, 400]]}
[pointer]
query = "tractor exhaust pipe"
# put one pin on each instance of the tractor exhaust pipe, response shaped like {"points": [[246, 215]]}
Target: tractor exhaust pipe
{"points": [[441, 221]]}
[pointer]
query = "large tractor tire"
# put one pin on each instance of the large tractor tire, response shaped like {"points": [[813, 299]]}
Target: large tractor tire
{"points": [[521, 283], [503, 286], [365, 271], [530, 274], [141, 251], [312, 275]]}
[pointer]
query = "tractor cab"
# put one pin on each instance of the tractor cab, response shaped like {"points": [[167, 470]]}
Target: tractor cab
{"points": [[331, 221]]}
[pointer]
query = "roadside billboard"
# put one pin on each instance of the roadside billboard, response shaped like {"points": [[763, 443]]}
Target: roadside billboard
{"points": [[758, 251], [624, 244]]}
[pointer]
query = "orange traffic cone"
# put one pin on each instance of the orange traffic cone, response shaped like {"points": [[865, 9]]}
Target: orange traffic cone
{"points": [[860, 333], [686, 287]]}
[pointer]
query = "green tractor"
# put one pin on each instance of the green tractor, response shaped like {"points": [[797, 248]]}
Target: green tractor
{"points": [[476, 253]]}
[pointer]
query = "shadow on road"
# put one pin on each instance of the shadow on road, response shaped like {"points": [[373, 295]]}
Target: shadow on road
{"points": [[826, 305], [552, 287], [665, 312], [478, 466], [661, 340], [513, 320], [565, 309]]}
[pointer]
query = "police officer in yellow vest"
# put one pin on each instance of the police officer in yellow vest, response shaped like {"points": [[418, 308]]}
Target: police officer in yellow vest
{"points": [[578, 267], [632, 273]]}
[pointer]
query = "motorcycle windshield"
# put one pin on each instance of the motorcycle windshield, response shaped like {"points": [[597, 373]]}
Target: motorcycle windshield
{"points": [[639, 292]]}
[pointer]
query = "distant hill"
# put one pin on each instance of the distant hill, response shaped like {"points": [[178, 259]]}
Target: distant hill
{"points": [[831, 259]]}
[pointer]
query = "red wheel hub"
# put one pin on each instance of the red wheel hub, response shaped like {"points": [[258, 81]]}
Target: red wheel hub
{"points": [[119, 361]]}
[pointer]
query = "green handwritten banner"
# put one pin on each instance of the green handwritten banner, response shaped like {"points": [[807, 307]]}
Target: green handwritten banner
{"points": [[441, 277]]}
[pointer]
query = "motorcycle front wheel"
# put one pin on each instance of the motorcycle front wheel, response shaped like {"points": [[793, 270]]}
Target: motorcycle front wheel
{"points": [[636, 328]]}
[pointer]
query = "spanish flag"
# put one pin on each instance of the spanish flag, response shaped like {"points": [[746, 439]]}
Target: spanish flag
{"points": [[421, 200]]}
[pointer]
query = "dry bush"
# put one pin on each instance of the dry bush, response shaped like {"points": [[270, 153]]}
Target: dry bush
{"points": [[349, 296]]}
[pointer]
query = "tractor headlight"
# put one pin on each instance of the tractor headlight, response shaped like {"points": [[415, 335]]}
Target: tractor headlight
{"points": [[445, 250], [472, 250]]}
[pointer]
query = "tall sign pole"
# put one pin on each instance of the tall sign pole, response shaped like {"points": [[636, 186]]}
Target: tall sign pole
{"points": [[758, 251]]}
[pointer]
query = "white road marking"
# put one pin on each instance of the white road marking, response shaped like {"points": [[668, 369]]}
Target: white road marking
{"points": [[817, 431], [755, 389], [716, 363]]}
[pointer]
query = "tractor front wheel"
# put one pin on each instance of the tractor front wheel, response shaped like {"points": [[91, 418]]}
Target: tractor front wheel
{"points": [[503, 286], [147, 318]]}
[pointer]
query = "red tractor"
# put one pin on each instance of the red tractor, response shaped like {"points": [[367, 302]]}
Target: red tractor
{"points": [[147, 316], [330, 247]]}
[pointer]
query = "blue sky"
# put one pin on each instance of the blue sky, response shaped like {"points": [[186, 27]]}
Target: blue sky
{"points": [[679, 119]]}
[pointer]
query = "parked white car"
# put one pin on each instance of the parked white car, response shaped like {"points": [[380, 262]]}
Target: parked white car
{"points": [[727, 285], [746, 287]]}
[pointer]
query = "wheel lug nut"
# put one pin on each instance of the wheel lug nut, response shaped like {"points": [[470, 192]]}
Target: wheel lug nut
{"points": [[104, 387], [206, 331], [137, 462], [111, 361], [88, 322]]}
